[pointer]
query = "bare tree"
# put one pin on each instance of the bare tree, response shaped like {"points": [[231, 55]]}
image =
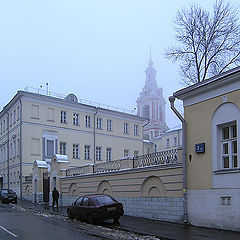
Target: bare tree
{"points": [[209, 43]]}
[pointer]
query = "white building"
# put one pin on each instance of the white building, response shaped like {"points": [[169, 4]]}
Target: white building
{"points": [[36, 126]]}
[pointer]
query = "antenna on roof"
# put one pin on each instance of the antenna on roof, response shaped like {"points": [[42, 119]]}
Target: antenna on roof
{"points": [[39, 88], [47, 88]]}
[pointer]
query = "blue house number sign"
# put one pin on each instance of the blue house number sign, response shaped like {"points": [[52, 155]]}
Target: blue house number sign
{"points": [[200, 148]]}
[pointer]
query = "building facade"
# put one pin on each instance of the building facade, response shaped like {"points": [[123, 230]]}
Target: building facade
{"points": [[171, 139], [35, 127], [151, 105], [212, 115]]}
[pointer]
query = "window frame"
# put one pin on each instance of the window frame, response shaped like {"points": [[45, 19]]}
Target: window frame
{"points": [[108, 154], [63, 148], [76, 151], [76, 119], [63, 116], [228, 141], [109, 125], [87, 152], [126, 128]]}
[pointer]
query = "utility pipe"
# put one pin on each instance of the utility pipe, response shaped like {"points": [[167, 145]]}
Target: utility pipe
{"points": [[171, 100], [94, 136], [20, 150], [142, 133]]}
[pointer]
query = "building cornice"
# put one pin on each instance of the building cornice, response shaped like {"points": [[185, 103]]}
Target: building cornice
{"points": [[225, 78]]}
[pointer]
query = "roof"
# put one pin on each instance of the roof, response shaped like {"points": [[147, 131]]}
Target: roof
{"points": [[46, 97], [221, 79], [41, 164], [61, 158]]}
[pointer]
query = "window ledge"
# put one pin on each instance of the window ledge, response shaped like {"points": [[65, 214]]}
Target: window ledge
{"points": [[224, 171]]}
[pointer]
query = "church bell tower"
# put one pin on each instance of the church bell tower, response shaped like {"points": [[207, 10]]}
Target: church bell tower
{"points": [[151, 105]]}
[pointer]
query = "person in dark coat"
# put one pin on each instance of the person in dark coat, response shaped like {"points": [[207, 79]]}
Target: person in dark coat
{"points": [[55, 196]]}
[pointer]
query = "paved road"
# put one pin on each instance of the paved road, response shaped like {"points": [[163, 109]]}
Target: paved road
{"points": [[25, 225]]}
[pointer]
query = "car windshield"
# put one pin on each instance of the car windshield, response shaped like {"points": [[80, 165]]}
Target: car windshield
{"points": [[103, 200], [4, 191]]}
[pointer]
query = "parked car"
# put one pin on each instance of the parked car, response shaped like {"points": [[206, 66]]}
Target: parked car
{"points": [[97, 207], [7, 196]]}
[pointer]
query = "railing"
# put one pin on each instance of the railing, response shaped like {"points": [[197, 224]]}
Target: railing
{"points": [[157, 158], [164, 158], [87, 102], [107, 166], [75, 171]]}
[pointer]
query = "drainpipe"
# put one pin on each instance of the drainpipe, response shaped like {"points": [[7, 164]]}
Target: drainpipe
{"points": [[20, 174], [7, 147], [94, 136], [8, 155], [172, 99], [142, 132]]}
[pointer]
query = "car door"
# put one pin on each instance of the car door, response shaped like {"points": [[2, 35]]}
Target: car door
{"points": [[76, 208], [84, 208]]}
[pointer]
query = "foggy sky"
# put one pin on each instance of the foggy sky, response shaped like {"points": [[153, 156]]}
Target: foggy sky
{"points": [[97, 50]]}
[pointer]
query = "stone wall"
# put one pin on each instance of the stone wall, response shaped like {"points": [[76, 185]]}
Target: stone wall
{"points": [[158, 208]]}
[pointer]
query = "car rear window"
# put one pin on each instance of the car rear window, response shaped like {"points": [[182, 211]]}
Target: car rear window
{"points": [[104, 200]]}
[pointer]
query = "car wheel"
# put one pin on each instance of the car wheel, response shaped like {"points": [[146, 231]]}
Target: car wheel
{"points": [[90, 220], [15, 201], [70, 215], [116, 219]]}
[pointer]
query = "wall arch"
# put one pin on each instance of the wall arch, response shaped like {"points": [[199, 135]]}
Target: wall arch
{"points": [[104, 187], [153, 187], [225, 114], [73, 189]]}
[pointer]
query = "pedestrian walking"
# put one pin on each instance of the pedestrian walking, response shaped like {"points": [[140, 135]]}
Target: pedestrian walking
{"points": [[55, 196]]}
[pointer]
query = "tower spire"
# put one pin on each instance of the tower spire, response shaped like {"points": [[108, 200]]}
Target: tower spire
{"points": [[150, 63]]}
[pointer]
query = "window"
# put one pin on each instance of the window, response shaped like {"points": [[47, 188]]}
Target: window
{"points": [[4, 125], [109, 154], [125, 128], [18, 147], [148, 150], [11, 150], [175, 141], [50, 114], [14, 148], [14, 116], [1, 156], [136, 130], [167, 143], [76, 151], [63, 117], [1, 127], [88, 121], [98, 153], [75, 119], [229, 146], [50, 148], [136, 153], [35, 111], [63, 147], [11, 119], [109, 125], [126, 153], [87, 155], [18, 112], [99, 123]]}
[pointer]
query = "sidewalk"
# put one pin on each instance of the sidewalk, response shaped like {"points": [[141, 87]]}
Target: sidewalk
{"points": [[163, 230]]}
